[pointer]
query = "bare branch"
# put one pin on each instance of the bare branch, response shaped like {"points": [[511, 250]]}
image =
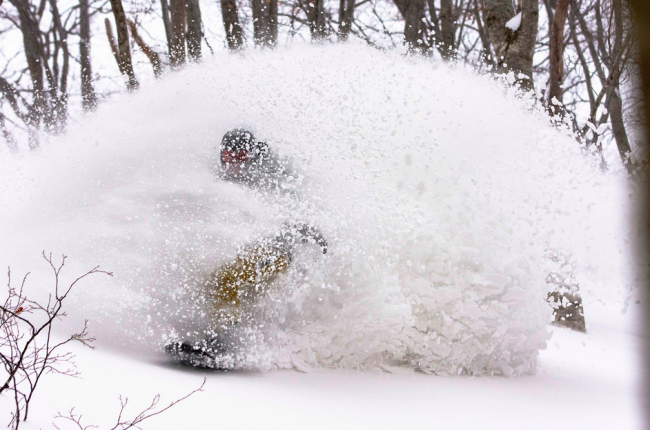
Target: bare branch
{"points": [[125, 424], [27, 355], [153, 57]]}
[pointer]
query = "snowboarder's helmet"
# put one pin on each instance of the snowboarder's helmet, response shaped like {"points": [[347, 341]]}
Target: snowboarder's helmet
{"points": [[237, 149], [237, 140]]}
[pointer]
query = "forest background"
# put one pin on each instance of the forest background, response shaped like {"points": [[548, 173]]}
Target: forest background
{"points": [[580, 57]]}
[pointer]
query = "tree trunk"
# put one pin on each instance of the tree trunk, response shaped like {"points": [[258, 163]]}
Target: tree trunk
{"points": [[124, 48], [153, 57], [33, 53], [273, 12], [446, 38], [177, 47], [498, 12], [483, 34], [556, 56], [346, 18], [113, 43], [11, 142], [514, 49], [194, 30], [260, 22], [60, 94], [641, 16], [166, 21], [615, 108], [434, 18], [581, 56], [234, 32], [415, 34], [615, 104], [88, 97], [265, 22], [316, 17]]}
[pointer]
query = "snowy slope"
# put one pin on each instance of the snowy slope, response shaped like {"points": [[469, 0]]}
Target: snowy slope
{"points": [[576, 387]]}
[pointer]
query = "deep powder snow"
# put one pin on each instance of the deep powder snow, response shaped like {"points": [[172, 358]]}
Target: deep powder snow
{"points": [[440, 193]]}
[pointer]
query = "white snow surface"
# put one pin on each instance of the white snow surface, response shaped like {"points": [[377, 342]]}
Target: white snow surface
{"points": [[584, 381], [440, 193]]}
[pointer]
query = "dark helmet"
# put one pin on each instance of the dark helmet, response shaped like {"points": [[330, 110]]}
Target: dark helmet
{"points": [[238, 140], [239, 146]]}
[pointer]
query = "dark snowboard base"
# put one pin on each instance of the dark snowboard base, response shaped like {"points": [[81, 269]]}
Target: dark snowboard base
{"points": [[206, 353]]}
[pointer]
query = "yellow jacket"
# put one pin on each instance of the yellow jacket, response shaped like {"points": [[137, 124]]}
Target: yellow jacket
{"points": [[254, 266]]}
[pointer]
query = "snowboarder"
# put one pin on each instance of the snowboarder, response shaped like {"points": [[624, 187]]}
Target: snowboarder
{"points": [[248, 274], [249, 162]]}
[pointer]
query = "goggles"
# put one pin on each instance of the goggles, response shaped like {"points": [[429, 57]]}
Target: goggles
{"points": [[234, 157]]}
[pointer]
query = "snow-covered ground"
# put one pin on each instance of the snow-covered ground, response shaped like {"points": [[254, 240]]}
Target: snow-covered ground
{"points": [[584, 381], [440, 193]]}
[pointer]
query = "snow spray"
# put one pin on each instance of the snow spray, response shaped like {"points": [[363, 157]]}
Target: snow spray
{"points": [[439, 193]]}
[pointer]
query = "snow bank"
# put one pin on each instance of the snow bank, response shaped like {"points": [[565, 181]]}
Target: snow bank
{"points": [[439, 192]]}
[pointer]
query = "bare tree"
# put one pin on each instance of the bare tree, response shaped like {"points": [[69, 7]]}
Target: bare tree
{"points": [[415, 31], [315, 10], [164, 5], [603, 38], [177, 46], [556, 57], [457, 28], [59, 94], [153, 57], [265, 22], [27, 350], [641, 17], [112, 41], [124, 47], [234, 32], [577, 53], [446, 35], [34, 51], [487, 55], [8, 136], [11, 95], [614, 96], [48, 63], [88, 96], [514, 46], [346, 17], [124, 423], [194, 30]]}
